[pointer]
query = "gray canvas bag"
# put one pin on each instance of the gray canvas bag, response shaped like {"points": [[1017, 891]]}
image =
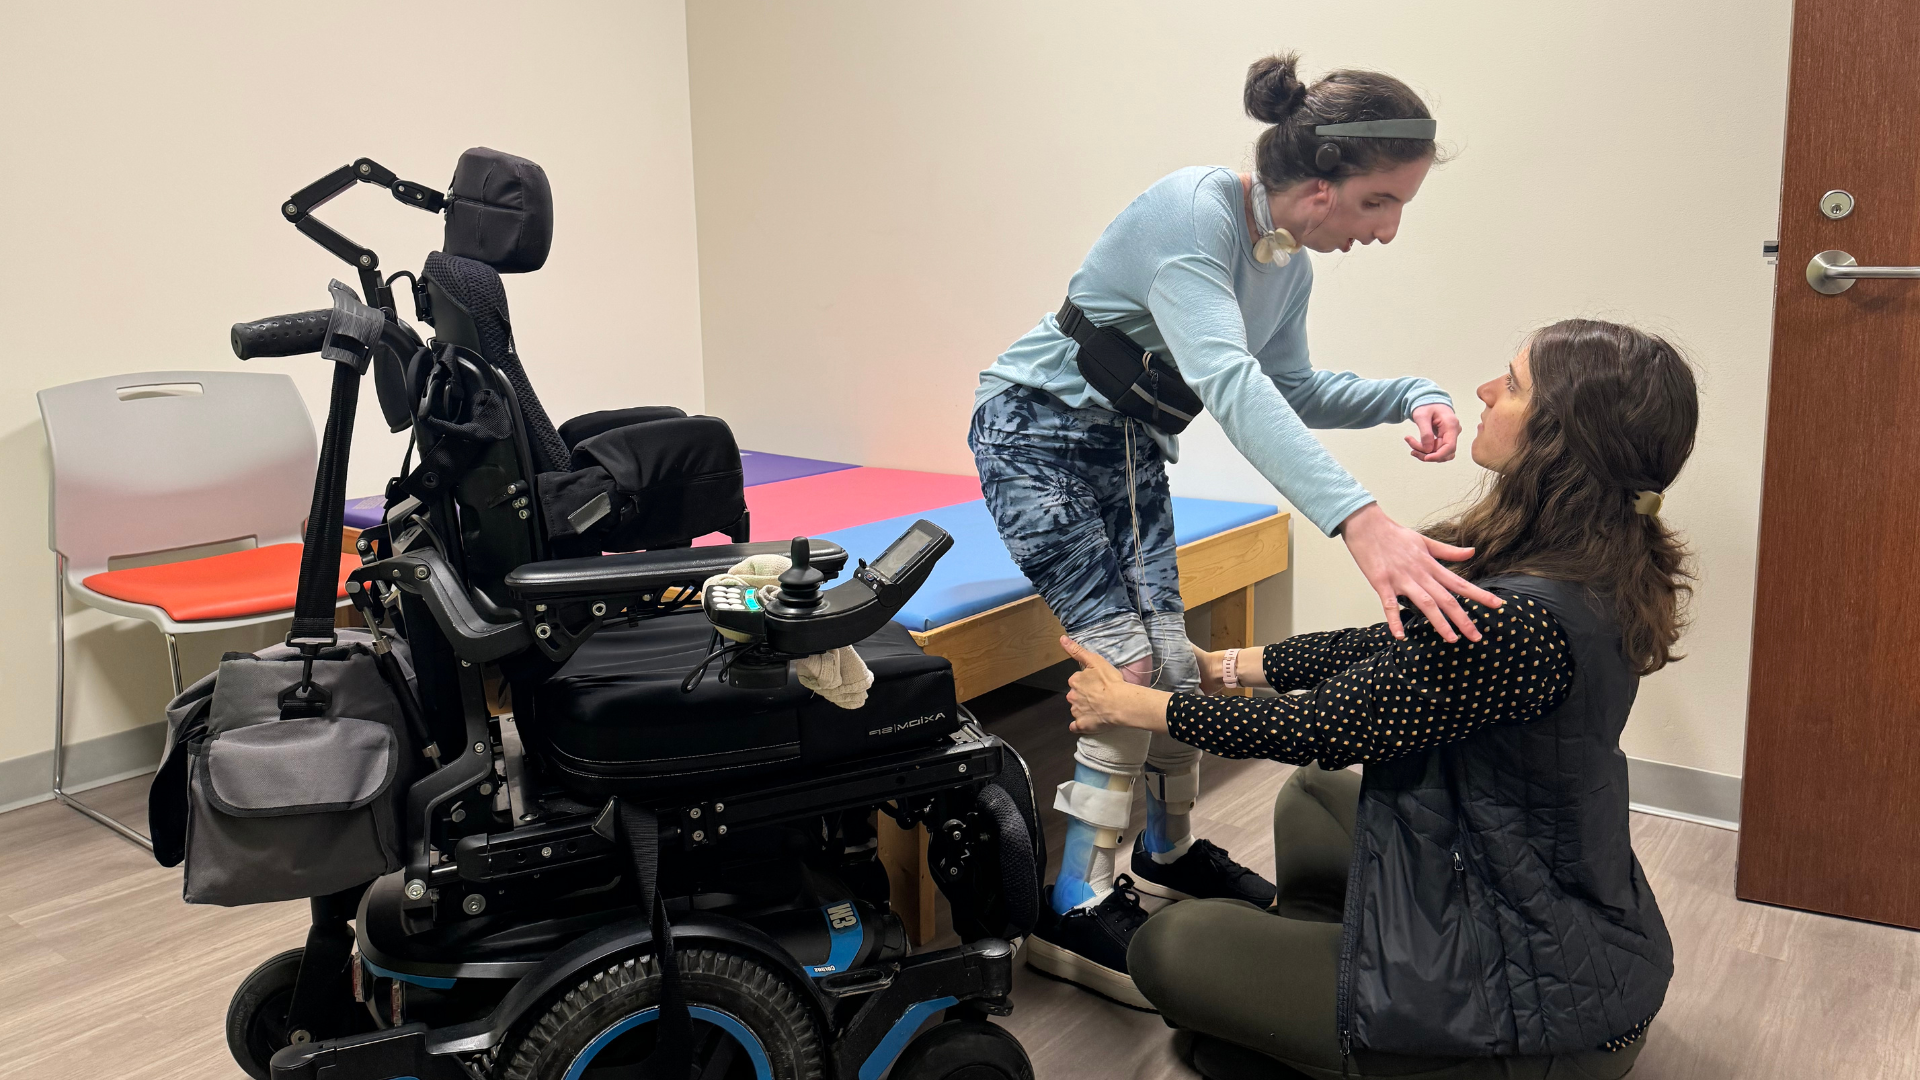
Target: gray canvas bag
{"points": [[287, 770], [263, 808]]}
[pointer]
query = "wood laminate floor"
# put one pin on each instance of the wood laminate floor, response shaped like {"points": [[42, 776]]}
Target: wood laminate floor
{"points": [[105, 973]]}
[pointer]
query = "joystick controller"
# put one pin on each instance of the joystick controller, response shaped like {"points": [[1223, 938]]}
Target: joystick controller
{"points": [[794, 618], [799, 592]]}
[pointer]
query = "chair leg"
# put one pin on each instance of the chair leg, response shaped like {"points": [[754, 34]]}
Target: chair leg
{"points": [[60, 707], [173, 663]]}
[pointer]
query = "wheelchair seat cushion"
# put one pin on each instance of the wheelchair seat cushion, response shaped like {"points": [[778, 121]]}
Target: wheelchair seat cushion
{"points": [[613, 720]]}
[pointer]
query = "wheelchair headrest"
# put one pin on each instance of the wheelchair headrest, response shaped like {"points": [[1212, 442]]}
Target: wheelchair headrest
{"points": [[499, 211]]}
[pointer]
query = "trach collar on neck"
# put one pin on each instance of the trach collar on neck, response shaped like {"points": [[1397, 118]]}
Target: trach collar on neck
{"points": [[1275, 245]]}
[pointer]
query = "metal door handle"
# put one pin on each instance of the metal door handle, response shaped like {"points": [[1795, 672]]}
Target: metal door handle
{"points": [[1834, 272]]}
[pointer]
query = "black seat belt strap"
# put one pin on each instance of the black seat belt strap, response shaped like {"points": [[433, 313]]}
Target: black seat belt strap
{"points": [[672, 1057]]}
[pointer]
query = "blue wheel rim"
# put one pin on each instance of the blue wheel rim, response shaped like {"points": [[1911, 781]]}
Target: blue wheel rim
{"points": [[756, 1053]]}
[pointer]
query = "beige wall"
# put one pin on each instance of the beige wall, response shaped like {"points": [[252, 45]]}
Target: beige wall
{"points": [[892, 193], [146, 147]]}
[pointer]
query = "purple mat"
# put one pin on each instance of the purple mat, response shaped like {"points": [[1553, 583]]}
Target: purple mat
{"points": [[365, 513], [762, 468]]}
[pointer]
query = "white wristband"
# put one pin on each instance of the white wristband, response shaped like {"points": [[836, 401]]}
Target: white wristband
{"points": [[1230, 670]]}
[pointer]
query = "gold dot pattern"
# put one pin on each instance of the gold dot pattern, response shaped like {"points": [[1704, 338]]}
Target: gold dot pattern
{"points": [[1621, 1042], [1366, 697]]}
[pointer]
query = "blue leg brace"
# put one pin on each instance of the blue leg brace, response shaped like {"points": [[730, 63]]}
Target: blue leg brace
{"points": [[1087, 854]]}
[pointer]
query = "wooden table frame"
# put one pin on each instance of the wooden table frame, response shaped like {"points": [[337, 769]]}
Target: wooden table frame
{"points": [[1010, 642]]}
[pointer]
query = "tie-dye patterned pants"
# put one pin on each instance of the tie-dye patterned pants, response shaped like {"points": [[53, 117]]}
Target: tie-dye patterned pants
{"points": [[1056, 481]]}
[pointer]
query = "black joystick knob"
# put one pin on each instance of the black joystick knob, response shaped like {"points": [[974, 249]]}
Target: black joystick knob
{"points": [[800, 585]]}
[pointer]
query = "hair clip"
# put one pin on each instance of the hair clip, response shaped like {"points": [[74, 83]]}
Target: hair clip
{"points": [[1647, 503]]}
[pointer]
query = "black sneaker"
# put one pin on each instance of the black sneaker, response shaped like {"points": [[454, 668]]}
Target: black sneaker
{"points": [[1204, 872], [1088, 945]]}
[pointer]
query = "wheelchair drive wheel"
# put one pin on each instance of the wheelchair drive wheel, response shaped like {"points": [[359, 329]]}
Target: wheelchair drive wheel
{"points": [[257, 1016], [964, 1050], [748, 1024]]}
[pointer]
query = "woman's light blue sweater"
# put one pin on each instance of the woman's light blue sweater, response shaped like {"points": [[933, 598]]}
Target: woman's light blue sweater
{"points": [[1176, 273]]}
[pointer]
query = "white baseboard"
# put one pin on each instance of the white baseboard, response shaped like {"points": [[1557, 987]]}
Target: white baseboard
{"points": [[1675, 791], [90, 764]]}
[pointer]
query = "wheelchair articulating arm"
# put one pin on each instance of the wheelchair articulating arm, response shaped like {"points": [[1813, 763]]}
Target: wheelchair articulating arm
{"points": [[300, 206]]}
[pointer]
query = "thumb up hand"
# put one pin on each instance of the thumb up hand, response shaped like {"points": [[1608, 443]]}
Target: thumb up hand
{"points": [[1102, 698]]}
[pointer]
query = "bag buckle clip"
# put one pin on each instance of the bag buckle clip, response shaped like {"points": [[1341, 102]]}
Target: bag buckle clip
{"points": [[306, 698]]}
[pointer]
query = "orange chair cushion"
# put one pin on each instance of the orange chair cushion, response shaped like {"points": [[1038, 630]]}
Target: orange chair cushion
{"points": [[231, 586]]}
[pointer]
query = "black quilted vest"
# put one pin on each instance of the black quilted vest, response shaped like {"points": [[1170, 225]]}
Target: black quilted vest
{"points": [[1495, 906]]}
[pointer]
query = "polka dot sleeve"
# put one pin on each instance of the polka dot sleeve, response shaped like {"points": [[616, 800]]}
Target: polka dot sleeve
{"points": [[1400, 698], [1305, 659]]}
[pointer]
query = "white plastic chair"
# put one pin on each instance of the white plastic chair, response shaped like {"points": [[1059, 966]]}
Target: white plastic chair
{"points": [[161, 461]]}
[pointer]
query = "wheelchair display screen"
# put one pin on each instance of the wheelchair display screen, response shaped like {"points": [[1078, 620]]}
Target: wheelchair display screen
{"points": [[902, 554]]}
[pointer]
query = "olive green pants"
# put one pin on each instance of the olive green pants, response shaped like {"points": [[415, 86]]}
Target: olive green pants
{"points": [[1245, 979]]}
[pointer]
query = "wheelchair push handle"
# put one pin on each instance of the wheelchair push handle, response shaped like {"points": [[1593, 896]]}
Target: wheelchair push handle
{"points": [[281, 335]]}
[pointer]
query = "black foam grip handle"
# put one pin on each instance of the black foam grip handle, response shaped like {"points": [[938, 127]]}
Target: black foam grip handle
{"points": [[281, 335]]}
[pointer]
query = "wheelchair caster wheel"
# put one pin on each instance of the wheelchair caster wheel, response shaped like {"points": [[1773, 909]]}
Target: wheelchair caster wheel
{"points": [[748, 1024], [257, 1015], [964, 1050]]}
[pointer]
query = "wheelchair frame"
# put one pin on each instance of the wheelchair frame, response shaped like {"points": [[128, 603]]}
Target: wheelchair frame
{"points": [[460, 864]]}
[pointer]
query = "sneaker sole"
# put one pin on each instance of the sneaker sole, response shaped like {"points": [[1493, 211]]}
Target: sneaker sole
{"points": [[1051, 959]]}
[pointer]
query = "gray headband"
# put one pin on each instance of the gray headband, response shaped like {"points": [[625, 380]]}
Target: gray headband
{"points": [[1380, 129]]}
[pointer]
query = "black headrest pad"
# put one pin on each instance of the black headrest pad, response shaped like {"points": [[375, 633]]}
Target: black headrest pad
{"points": [[499, 211]]}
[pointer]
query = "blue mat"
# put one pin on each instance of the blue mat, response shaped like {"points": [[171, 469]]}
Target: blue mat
{"points": [[978, 574]]}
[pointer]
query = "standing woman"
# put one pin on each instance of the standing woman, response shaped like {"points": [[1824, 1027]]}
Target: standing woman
{"points": [[1195, 298]]}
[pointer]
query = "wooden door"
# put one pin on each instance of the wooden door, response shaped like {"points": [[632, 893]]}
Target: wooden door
{"points": [[1830, 807]]}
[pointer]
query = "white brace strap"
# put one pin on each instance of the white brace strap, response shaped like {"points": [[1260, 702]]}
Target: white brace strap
{"points": [[1176, 791], [1103, 808]]}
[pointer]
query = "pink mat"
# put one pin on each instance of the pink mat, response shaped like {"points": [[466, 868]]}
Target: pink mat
{"points": [[812, 505]]}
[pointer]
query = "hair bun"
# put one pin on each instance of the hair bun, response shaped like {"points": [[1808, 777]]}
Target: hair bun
{"points": [[1273, 91]]}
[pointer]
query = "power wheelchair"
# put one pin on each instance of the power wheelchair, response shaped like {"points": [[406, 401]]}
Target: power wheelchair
{"points": [[612, 759]]}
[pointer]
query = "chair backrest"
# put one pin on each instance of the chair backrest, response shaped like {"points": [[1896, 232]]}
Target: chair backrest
{"points": [[470, 310], [160, 460]]}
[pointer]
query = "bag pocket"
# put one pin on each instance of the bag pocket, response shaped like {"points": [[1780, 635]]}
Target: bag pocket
{"points": [[290, 809]]}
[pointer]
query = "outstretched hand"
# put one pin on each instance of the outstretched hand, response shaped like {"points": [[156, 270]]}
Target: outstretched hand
{"points": [[1102, 698], [1398, 561], [1439, 432]]}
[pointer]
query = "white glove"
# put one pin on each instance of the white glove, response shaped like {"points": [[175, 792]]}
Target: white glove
{"points": [[839, 676]]}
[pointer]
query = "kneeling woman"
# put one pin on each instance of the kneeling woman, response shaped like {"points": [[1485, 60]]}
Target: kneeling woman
{"points": [[1475, 894]]}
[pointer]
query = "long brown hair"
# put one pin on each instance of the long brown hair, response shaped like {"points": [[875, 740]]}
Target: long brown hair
{"points": [[1613, 412]]}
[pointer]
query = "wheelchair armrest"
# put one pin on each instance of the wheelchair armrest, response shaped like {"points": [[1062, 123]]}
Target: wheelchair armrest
{"points": [[649, 571]]}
